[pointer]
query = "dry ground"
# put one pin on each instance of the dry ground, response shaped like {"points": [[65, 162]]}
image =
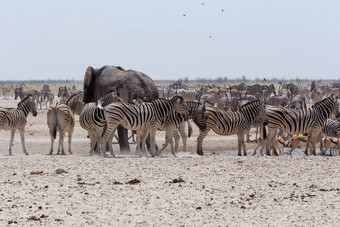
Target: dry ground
{"points": [[218, 189]]}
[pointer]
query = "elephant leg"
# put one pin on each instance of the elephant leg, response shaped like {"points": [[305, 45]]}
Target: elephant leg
{"points": [[123, 139]]}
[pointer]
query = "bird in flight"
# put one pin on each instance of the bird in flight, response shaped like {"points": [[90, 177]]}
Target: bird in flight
{"points": [[202, 3], [222, 10], [210, 36], [184, 15]]}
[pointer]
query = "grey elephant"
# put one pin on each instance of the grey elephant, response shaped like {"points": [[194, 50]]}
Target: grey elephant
{"points": [[130, 85]]}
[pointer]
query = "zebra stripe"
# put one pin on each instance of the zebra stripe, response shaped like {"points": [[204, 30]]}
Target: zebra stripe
{"points": [[140, 117], [92, 118], [12, 119], [229, 123], [295, 122]]}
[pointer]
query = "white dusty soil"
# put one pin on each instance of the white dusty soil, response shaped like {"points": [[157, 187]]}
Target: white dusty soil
{"points": [[218, 189]]}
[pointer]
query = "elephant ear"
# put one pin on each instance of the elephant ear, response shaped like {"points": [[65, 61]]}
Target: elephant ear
{"points": [[88, 76]]}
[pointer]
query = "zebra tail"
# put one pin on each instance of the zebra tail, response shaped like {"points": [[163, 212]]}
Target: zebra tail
{"points": [[189, 129], [53, 122], [264, 130]]}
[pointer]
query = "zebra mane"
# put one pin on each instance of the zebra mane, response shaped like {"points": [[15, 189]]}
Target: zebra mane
{"points": [[248, 105]]}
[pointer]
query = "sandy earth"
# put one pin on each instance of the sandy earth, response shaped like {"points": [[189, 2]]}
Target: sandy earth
{"points": [[219, 189]]}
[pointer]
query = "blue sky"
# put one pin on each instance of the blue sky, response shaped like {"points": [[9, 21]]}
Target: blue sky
{"points": [[59, 39]]}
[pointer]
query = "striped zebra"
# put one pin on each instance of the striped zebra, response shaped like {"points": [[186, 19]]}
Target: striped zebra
{"points": [[92, 118], [189, 95], [295, 122], [140, 117], [174, 123], [16, 118], [35, 93], [228, 123], [60, 118]]}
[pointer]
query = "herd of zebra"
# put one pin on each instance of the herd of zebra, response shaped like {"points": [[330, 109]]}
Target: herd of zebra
{"points": [[101, 119]]}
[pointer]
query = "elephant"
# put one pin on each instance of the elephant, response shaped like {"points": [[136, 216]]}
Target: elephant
{"points": [[129, 84]]}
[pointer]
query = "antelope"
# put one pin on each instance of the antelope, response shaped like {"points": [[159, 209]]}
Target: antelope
{"points": [[301, 140], [331, 143]]}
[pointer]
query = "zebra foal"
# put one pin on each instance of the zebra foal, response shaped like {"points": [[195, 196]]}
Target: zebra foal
{"points": [[228, 123], [295, 122], [140, 117], [12, 119]]}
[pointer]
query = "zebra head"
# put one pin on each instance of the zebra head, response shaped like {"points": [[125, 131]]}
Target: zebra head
{"points": [[28, 105], [179, 105]]}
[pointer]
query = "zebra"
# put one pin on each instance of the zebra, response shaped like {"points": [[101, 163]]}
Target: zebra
{"points": [[229, 123], [295, 122], [35, 93], [63, 94], [47, 97], [60, 117], [143, 117], [16, 118], [175, 123], [92, 118], [189, 95]]}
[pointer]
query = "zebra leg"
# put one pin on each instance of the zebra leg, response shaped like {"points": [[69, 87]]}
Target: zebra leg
{"points": [[255, 150], [202, 135], [248, 136], [307, 144], [177, 139], [143, 136], [52, 142], [93, 142], [241, 144], [270, 140], [315, 134], [61, 142], [164, 145], [22, 135], [152, 141], [70, 140], [110, 129], [181, 130], [171, 140], [11, 141]]}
